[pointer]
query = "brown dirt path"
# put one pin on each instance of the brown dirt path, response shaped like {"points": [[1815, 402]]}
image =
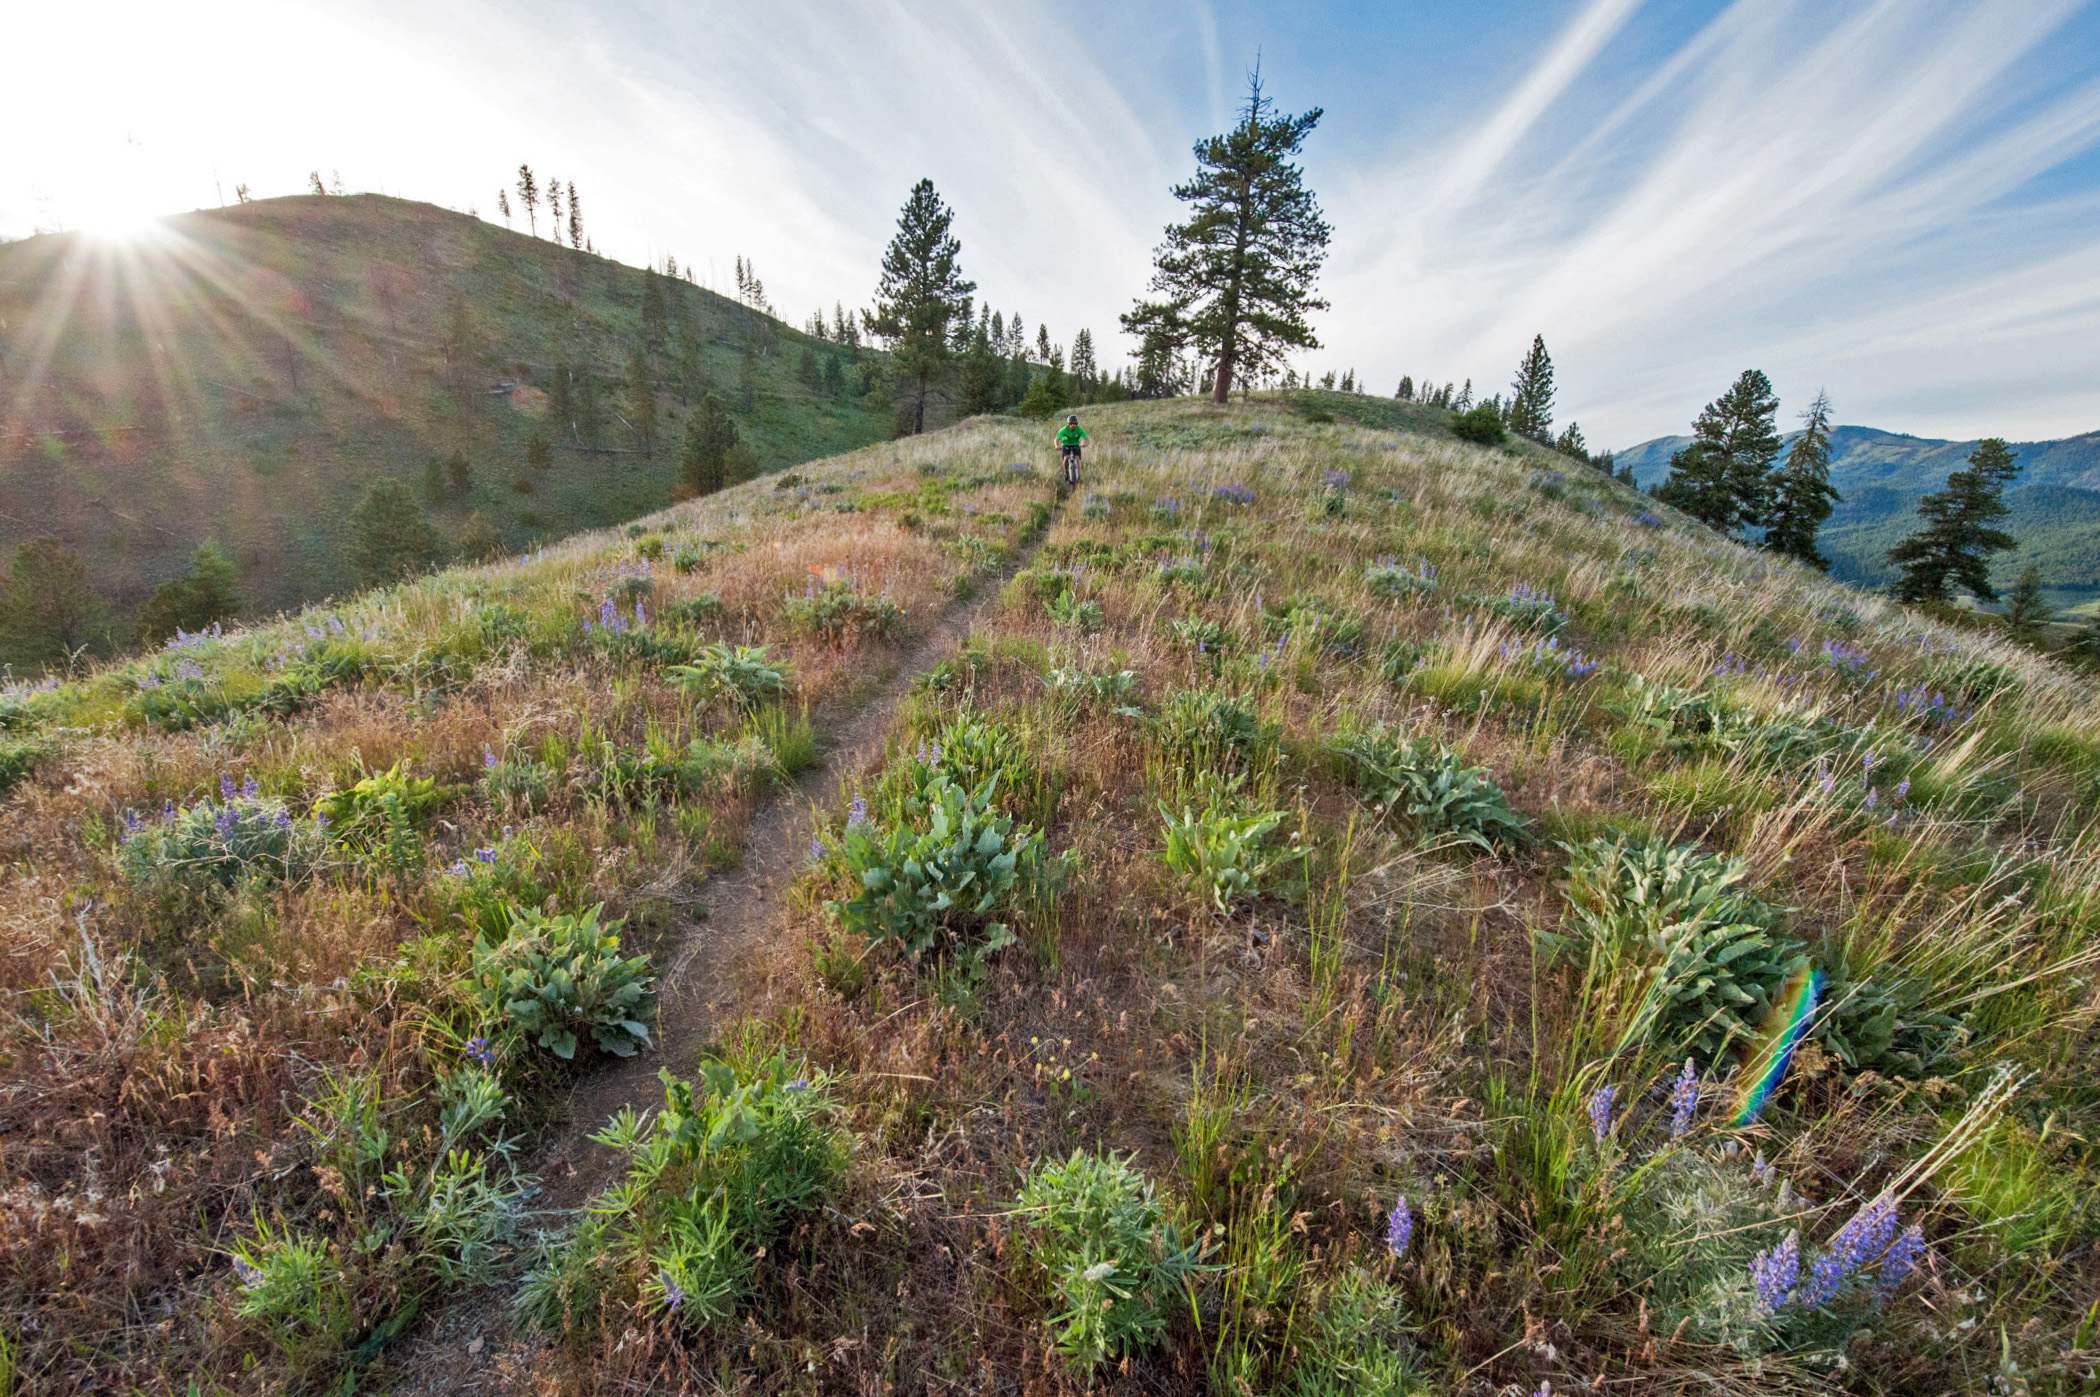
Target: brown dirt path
{"points": [[713, 964]]}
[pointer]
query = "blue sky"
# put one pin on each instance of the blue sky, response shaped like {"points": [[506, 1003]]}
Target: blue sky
{"points": [[1893, 200]]}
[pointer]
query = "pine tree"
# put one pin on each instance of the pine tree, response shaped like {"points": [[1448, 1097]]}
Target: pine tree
{"points": [[2026, 612], [1801, 492], [389, 534], [1720, 479], [478, 541], [575, 217], [1406, 390], [1570, 443], [656, 324], [590, 410], [1464, 401], [979, 379], [503, 205], [921, 293], [459, 476], [313, 183], [205, 594], [1236, 279], [641, 400], [554, 210], [835, 376], [48, 613], [747, 382], [1085, 372], [1530, 413], [710, 435], [1954, 545], [529, 196]]}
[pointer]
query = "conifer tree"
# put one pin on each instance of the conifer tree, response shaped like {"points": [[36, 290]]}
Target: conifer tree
{"points": [[1085, 372], [48, 613], [1570, 443], [529, 196], [641, 400], [1530, 413], [503, 205], [921, 293], [575, 218], [1954, 545], [459, 476], [979, 377], [389, 533], [1236, 279], [1720, 478], [1801, 492], [207, 593], [1464, 401], [656, 322], [2026, 611], [434, 481], [554, 210], [710, 435], [1406, 390]]}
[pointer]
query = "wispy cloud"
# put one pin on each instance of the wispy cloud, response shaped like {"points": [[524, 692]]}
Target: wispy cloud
{"points": [[1753, 201]]}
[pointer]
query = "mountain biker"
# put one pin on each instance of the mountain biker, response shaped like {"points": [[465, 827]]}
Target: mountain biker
{"points": [[1070, 438]]}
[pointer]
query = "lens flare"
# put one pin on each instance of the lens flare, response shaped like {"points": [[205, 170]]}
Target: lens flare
{"points": [[1793, 1010]]}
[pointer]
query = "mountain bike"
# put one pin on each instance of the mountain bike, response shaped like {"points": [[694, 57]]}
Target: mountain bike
{"points": [[1071, 455]]}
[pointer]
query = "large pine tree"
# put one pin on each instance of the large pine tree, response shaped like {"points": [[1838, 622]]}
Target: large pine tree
{"points": [[1720, 478], [1236, 279], [1531, 395], [1953, 546], [710, 435], [921, 294], [1801, 493]]}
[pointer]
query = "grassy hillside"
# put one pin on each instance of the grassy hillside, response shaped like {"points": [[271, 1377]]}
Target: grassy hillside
{"points": [[246, 373], [1303, 914], [1883, 475]]}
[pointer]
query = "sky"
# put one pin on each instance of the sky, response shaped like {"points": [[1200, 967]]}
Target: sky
{"points": [[1891, 200]]}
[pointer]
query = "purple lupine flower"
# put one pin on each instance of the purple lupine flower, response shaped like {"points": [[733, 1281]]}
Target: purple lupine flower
{"points": [[1399, 1227], [250, 789], [251, 1275], [485, 855], [1901, 1259], [488, 759], [1858, 1244], [816, 849], [641, 618], [1775, 1272], [1873, 797], [799, 1084], [1601, 1102], [478, 1049], [1760, 1170], [1684, 1100], [284, 819], [1903, 788], [459, 868], [229, 820], [606, 612], [674, 1294], [225, 787], [335, 626], [858, 814]]}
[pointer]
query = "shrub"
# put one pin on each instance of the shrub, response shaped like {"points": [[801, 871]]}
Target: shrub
{"points": [[1204, 637], [1321, 621], [725, 1171], [932, 882], [838, 612], [213, 845], [1358, 1342], [1705, 957], [1115, 690], [1204, 730], [740, 673], [1222, 854], [21, 755], [380, 805], [1882, 1023], [1483, 425], [1388, 579], [1113, 1255], [1068, 610], [1528, 607], [555, 977], [1428, 784]]}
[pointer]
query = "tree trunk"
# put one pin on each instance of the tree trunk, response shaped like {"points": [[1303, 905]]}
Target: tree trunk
{"points": [[1221, 390], [918, 409]]}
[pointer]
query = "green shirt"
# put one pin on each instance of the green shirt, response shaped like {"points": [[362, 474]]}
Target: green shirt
{"points": [[1071, 435]]}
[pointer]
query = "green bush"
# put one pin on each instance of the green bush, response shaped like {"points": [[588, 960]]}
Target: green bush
{"points": [[1225, 855], [1882, 1023], [1698, 958], [1431, 787], [380, 805], [704, 766], [215, 845], [1390, 580], [554, 977], [1115, 690], [1068, 610], [1358, 1342], [742, 674], [1482, 424], [1200, 729], [1113, 1254], [21, 755], [725, 1171], [518, 783], [838, 612], [692, 611], [932, 882]]}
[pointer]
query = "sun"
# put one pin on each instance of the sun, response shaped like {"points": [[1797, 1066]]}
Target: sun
{"points": [[115, 221]]}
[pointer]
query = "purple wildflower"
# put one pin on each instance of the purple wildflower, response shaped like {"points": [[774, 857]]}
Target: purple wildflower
{"points": [[485, 855], [251, 1274], [478, 1049], [250, 789], [1903, 788], [459, 868], [1601, 1102], [1873, 797], [225, 787], [1902, 1258], [1775, 1272], [816, 849], [641, 618], [799, 1084], [488, 759], [1684, 1100], [229, 820], [1399, 1227], [674, 1294], [858, 814], [1858, 1244]]}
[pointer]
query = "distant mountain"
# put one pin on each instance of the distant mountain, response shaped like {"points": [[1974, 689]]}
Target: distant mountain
{"points": [[247, 373], [1882, 475]]}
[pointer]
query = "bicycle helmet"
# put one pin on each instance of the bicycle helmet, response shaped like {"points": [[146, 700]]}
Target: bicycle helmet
{"points": [[1073, 419]]}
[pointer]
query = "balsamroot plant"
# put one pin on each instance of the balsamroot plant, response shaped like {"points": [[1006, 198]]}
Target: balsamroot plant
{"points": [[1113, 1255], [1430, 786], [933, 879], [726, 1170], [1201, 729], [554, 978], [740, 674], [1668, 936], [1226, 856]]}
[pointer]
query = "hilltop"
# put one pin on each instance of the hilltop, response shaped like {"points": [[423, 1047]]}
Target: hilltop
{"points": [[2055, 503], [1323, 909], [243, 374]]}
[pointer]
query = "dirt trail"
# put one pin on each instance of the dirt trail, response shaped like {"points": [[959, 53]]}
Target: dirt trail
{"points": [[701, 977]]}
